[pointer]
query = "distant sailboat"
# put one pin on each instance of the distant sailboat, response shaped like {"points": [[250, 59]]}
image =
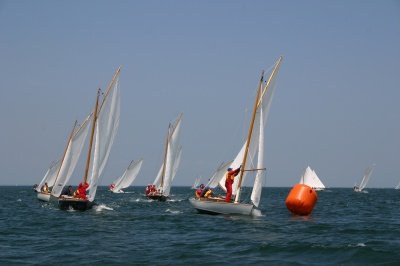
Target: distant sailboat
{"points": [[127, 177], [105, 121], [160, 189], [364, 181], [398, 186], [196, 183], [254, 144], [311, 179]]}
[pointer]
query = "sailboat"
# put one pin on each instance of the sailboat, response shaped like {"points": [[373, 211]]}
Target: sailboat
{"points": [[398, 186], [196, 183], [160, 189], [59, 172], [127, 177], [49, 179], [105, 121], [365, 179], [254, 144], [310, 178]]}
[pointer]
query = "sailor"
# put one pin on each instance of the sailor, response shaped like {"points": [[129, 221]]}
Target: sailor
{"points": [[206, 193], [112, 186], [81, 191], [67, 191], [199, 191], [230, 177], [45, 188]]}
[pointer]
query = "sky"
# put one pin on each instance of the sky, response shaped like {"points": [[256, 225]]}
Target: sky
{"points": [[336, 105]]}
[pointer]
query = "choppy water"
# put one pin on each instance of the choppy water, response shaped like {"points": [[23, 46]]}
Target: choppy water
{"points": [[346, 228]]}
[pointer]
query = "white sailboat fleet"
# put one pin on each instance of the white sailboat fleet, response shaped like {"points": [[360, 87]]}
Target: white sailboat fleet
{"points": [[161, 187], [254, 144], [310, 178], [365, 179], [127, 177]]}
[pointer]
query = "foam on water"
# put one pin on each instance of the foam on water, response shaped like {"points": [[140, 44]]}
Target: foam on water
{"points": [[173, 212], [101, 207]]}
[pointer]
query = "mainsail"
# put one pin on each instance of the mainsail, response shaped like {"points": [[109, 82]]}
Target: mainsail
{"points": [[128, 176], [366, 177], [172, 158], [105, 132]]}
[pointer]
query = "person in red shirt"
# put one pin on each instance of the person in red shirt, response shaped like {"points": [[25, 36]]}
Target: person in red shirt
{"points": [[230, 177], [81, 191]]}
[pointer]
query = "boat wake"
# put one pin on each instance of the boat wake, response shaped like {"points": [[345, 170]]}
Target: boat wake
{"points": [[101, 207], [174, 200], [173, 212], [357, 245]]}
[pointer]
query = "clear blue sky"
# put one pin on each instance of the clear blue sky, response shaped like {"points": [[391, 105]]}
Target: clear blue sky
{"points": [[336, 106]]}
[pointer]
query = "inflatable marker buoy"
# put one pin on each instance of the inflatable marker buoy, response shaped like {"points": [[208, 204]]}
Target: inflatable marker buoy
{"points": [[301, 199]]}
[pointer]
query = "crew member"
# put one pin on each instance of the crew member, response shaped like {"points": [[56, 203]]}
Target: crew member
{"points": [[230, 177]]}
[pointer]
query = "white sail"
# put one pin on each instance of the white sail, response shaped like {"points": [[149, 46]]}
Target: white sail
{"points": [[366, 177], [172, 156], [398, 186], [50, 175], [311, 179], [157, 181], [258, 181], [218, 175], [177, 162], [71, 157], [129, 176], [196, 183], [106, 130]]}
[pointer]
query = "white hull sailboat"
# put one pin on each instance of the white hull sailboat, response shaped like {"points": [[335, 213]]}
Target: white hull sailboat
{"points": [[254, 144], [127, 178], [105, 121], [311, 179], [160, 189], [48, 178], [364, 181], [219, 206]]}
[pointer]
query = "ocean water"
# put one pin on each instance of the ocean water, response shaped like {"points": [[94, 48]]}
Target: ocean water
{"points": [[345, 228]]}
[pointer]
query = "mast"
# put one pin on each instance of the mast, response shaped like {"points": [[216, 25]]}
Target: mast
{"points": [[165, 155], [91, 136], [249, 137], [257, 104], [66, 147]]}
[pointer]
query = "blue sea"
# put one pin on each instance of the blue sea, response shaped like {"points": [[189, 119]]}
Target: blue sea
{"points": [[345, 228]]}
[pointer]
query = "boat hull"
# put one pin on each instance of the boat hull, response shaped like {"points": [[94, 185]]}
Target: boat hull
{"points": [[43, 196], [75, 204], [204, 205], [157, 197]]}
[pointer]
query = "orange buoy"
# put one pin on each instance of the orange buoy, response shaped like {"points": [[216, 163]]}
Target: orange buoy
{"points": [[301, 199]]}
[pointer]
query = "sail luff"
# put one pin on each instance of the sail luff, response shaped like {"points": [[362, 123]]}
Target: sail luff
{"points": [[249, 138]]}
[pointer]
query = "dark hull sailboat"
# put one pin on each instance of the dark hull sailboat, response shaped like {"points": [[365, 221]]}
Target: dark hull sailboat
{"points": [[75, 204]]}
